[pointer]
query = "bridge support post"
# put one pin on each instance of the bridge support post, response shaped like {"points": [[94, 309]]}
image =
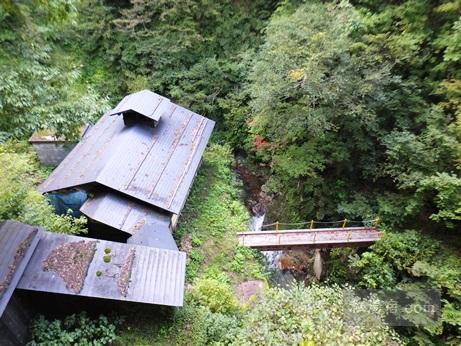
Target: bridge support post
{"points": [[318, 264]]}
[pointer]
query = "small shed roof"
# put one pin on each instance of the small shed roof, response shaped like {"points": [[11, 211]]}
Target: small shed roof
{"points": [[155, 165], [17, 243], [155, 236], [111, 271], [123, 213], [148, 225], [145, 103]]}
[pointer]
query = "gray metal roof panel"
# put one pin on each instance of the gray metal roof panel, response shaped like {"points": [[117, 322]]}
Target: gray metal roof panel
{"points": [[156, 276], [17, 243], [156, 165], [158, 236], [145, 102], [124, 213]]}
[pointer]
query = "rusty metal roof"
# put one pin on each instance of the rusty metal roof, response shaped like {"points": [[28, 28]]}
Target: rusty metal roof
{"points": [[155, 165], [123, 213], [148, 225], [156, 276], [17, 243], [155, 236], [145, 103]]}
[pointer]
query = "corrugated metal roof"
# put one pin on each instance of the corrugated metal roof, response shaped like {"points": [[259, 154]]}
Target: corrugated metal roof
{"points": [[148, 225], [17, 243], [155, 236], [156, 165], [123, 213], [143, 102], [156, 275]]}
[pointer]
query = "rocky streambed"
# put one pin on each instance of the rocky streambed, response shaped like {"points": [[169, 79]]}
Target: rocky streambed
{"points": [[283, 267]]}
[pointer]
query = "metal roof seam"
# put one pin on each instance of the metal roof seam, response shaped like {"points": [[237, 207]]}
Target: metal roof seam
{"points": [[154, 165], [157, 107], [175, 144], [186, 170], [147, 155], [129, 209]]}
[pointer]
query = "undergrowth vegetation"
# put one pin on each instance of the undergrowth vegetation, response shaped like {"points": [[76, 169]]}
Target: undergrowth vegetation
{"points": [[408, 260], [19, 199], [211, 219], [315, 315], [77, 329]]}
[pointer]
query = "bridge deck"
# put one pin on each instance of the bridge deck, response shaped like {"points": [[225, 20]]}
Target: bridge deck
{"points": [[310, 238]]}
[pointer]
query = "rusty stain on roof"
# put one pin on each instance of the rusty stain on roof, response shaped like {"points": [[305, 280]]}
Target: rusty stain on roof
{"points": [[17, 243], [153, 276], [155, 165], [121, 212]]}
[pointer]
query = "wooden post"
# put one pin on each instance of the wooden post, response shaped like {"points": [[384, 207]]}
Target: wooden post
{"points": [[312, 224], [277, 226]]}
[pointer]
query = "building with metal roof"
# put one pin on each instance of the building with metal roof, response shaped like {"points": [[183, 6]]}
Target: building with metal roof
{"points": [[17, 244], [32, 259], [112, 270], [155, 165], [50, 149], [132, 172], [136, 178], [37, 260]]}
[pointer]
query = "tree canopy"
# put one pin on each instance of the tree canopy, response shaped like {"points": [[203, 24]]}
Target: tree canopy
{"points": [[347, 109]]}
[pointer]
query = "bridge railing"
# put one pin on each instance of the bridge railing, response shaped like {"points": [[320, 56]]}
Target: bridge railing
{"points": [[312, 224]]}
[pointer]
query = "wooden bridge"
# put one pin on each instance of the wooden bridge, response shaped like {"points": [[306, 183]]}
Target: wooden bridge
{"points": [[299, 239]]}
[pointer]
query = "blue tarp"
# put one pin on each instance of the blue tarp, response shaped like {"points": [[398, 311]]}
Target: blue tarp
{"points": [[63, 202]]}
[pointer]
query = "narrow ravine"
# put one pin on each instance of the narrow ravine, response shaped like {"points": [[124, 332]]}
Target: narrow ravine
{"points": [[278, 264]]}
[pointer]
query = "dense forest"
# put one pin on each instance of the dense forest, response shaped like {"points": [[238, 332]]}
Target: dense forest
{"points": [[347, 109]]}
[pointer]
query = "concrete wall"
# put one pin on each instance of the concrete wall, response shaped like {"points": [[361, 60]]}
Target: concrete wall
{"points": [[51, 154]]}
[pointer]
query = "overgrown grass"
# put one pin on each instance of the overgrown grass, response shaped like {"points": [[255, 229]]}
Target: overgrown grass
{"points": [[213, 214]]}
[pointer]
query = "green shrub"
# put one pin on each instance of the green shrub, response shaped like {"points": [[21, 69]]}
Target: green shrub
{"points": [[374, 271], [412, 258], [193, 264], [315, 315], [19, 200], [76, 329], [221, 329], [216, 295], [195, 325]]}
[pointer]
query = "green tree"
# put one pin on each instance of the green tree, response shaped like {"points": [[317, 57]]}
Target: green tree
{"points": [[40, 88]]}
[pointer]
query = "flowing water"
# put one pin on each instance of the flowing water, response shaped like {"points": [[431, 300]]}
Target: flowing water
{"points": [[258, 204], [255, 224]]}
